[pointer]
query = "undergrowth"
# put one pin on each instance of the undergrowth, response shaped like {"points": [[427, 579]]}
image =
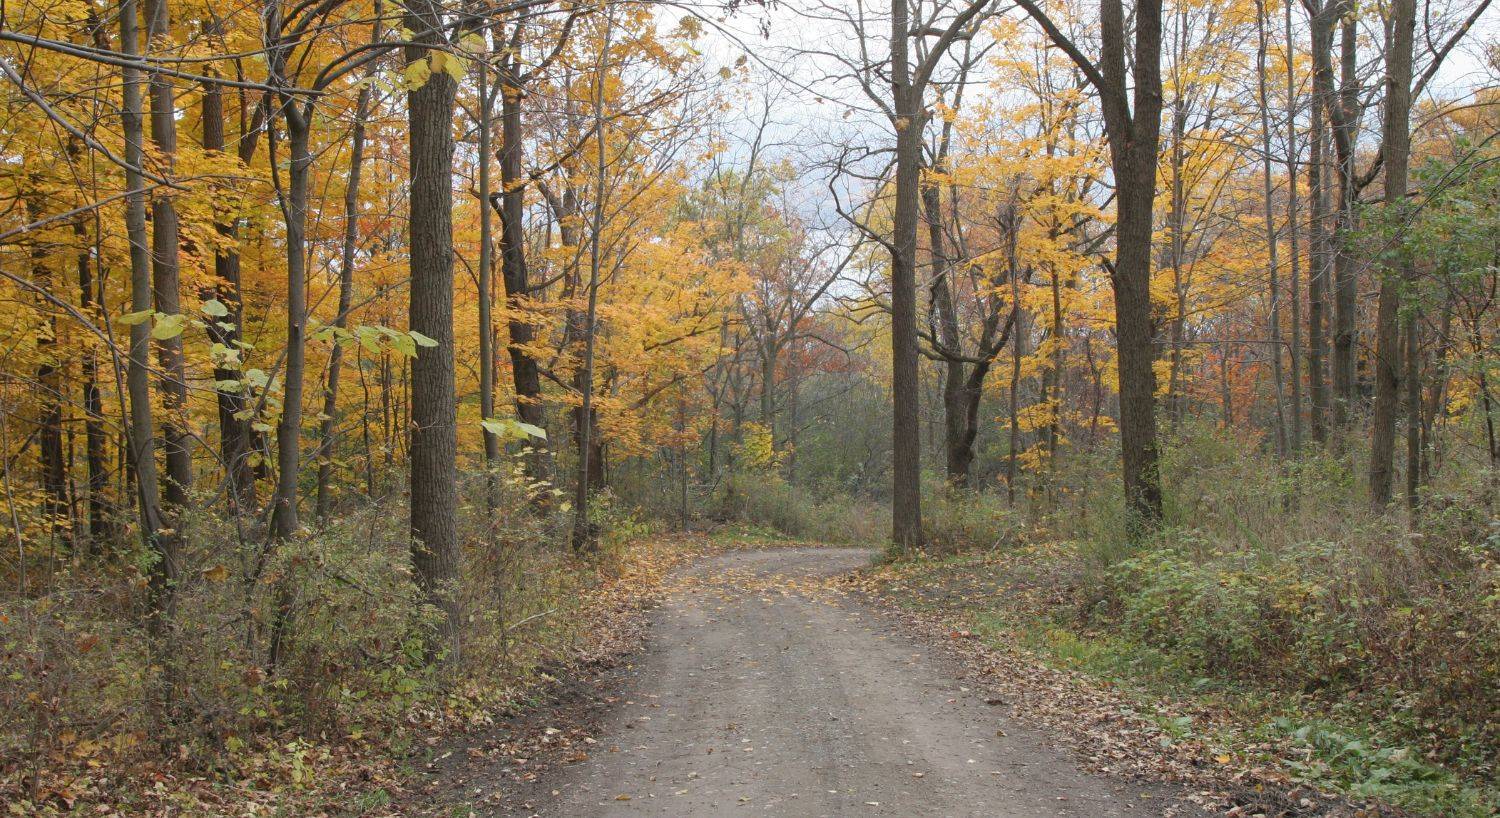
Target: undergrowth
{"points": [[352, 678]]}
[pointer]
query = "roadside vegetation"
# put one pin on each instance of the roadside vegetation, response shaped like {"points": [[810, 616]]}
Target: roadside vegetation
{"points": [[1352, 653]]}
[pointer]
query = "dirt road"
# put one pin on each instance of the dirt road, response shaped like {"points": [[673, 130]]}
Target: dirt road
{"points": [[766, 691]]}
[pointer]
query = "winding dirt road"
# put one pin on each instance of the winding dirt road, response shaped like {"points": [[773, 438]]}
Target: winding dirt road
{"points": [[766, 691]]}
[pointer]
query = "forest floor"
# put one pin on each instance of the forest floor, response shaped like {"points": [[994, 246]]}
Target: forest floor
{"points": [[779, 681]]}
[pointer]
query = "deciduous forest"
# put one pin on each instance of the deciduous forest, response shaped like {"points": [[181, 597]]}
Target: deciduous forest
{"points": [[377, 375]]}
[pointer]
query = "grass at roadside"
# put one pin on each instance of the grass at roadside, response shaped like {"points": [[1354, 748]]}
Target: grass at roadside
{"points": [[1026, 600]]}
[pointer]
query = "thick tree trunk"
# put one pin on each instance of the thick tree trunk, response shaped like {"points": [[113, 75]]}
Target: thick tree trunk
{"points": [[166, 276], [434, 433], [906, 447], [1340, 107], [1317, 278], [958, 436], [1396, 150], [1136, 340], [162, 541], [284, 513]]}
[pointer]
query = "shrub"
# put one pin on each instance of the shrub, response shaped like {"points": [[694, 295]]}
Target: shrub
{"points": [[76, 664]]}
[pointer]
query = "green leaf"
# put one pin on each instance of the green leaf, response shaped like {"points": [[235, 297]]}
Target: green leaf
{"points": [[168, 326], [512, 429], [130, 319], [214, 308], [422, 340], [405, 345], [535, 431]]}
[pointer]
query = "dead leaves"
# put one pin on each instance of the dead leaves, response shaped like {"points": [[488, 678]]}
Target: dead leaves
{"points": [[1109, 729]]}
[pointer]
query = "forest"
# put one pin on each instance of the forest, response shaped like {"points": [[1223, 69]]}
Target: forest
{"points": [[373, 373]]}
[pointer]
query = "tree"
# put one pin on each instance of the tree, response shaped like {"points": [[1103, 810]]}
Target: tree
{"points": [[1132, 121], [166, 276], [162, 541], [434, 432], [908, 114]]}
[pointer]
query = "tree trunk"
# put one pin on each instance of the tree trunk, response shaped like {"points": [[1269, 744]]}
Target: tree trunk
{"points": [[525, 372], [1268, 201], [487, 287], [1177, 214], [166, 275], [1414, 425], [101, 524], [589, 456], [433, 426], [162, 541], [1317, 277], [328, 426], [49, 385], [1294, 232], [1340, 107], [1396, 151], [1136, 171], [958, 438], [235, 435], [906, 447]]}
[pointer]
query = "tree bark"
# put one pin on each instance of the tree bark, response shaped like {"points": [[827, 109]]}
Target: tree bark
{"points": [[49, 423], [1134, 133], [433, 426], [1340, 107], [236, 439], [906, 471], [589, 457], [1317, 277], [1396, 151], [525, 372], [166, 275], [958, 434], [101, 524], [487, 285], [1268, 201], [1294, 231], [161, 541]]}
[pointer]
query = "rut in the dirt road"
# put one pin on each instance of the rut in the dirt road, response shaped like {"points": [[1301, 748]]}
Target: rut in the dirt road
{"points": [[765, 691]]}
